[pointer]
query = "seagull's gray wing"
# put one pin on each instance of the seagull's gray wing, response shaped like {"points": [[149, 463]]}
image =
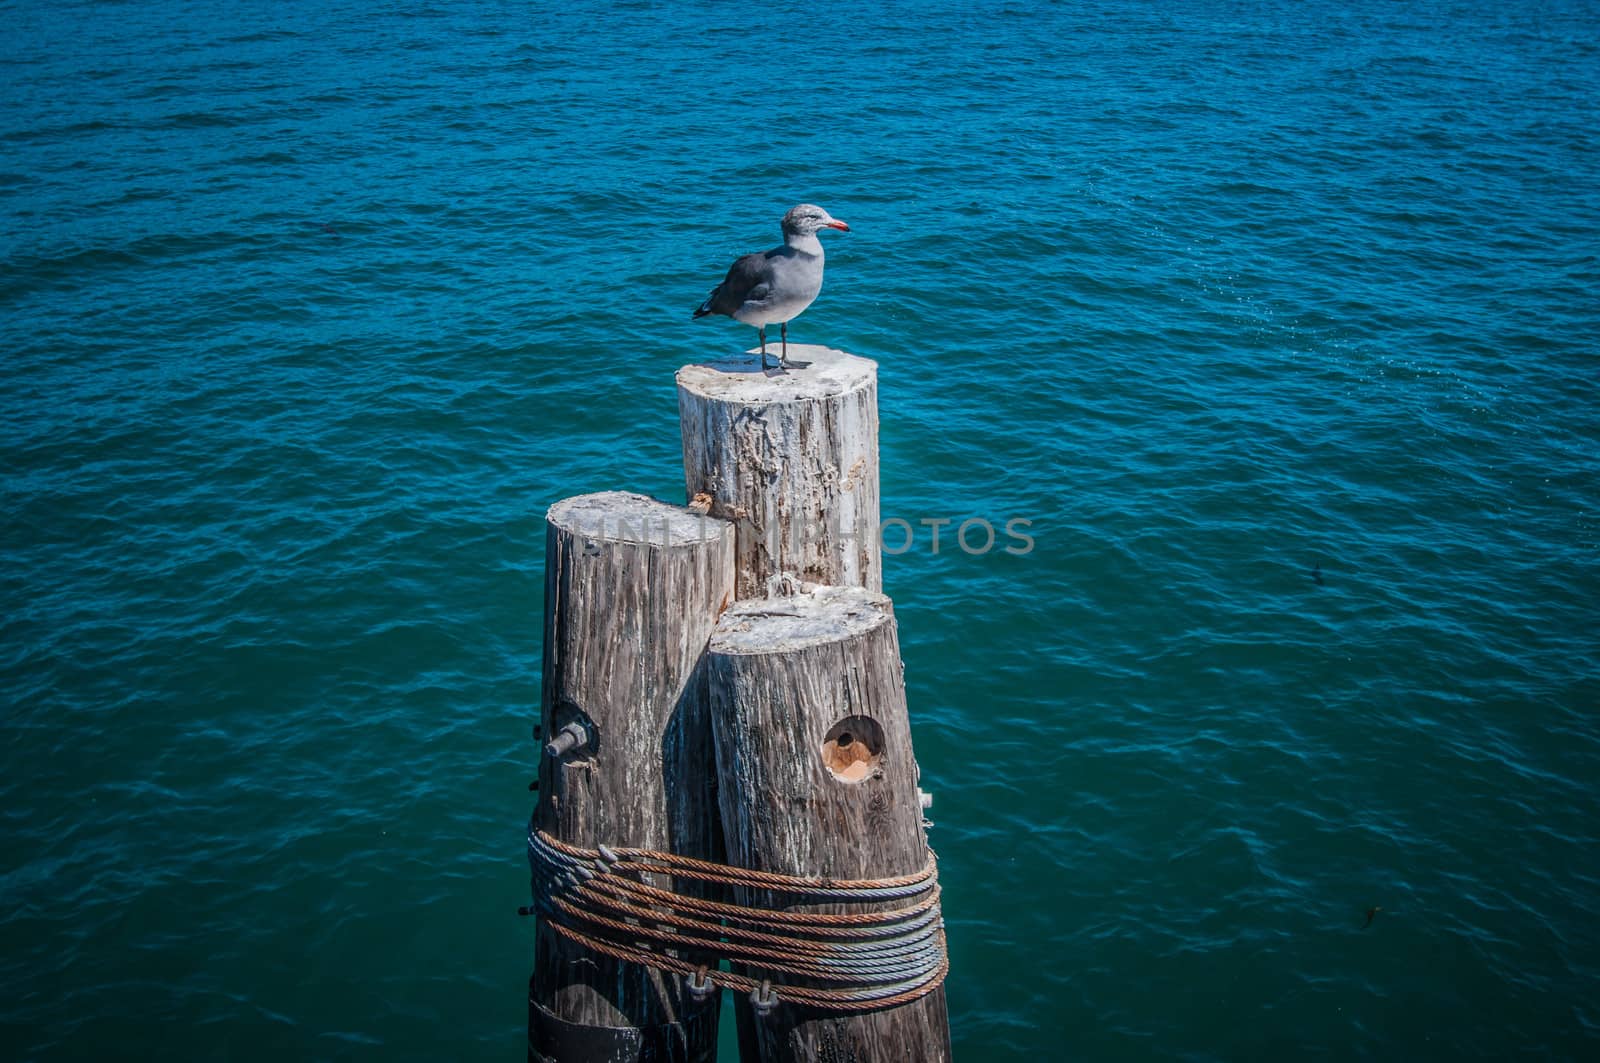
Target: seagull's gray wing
{"points": [[748, 279]]}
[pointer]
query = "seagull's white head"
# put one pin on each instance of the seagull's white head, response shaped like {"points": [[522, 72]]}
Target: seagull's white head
{"points": [[808, 219]]}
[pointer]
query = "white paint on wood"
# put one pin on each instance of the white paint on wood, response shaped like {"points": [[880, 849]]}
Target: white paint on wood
{"points": [[621, 516], [820, 615]]}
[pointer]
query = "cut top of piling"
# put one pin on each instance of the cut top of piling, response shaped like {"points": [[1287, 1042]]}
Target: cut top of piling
{"points": [[741, 380], [781, 625], [622, 516]]}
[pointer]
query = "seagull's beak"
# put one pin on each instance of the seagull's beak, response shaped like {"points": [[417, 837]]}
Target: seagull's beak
{"points": [[835, 223]]}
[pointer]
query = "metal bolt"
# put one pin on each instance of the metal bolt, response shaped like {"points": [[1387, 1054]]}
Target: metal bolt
{"points": [[567, 739]]}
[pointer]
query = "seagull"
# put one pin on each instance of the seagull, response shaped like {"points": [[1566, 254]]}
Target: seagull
{"points": [[776, 285]]}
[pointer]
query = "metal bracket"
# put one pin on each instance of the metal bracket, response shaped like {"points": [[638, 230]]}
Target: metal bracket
{"points": [[700, 984], [554, 1040]]}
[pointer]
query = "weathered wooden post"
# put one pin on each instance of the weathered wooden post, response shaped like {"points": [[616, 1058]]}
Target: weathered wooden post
{"points": [[633, 588], [814, 759], [818, 779], [792, 459], [781, 726]]}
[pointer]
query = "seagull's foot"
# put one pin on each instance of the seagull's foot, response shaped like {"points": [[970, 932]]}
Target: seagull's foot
{"points": [[787, 364]]}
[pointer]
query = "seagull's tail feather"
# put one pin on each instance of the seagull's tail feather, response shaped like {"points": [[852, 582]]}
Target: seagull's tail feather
{"points": [[705, 307]]}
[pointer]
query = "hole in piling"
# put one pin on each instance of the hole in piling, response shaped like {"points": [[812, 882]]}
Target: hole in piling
{"points": [[853, 749]]}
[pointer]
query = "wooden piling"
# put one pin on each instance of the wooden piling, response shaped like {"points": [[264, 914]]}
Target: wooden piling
{"points": [[817, 777], [633, 588], [792, 459]]}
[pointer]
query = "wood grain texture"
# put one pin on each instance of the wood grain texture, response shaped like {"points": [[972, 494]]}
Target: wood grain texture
{"points": [[792, 459], [633, 589], [787, 679]]}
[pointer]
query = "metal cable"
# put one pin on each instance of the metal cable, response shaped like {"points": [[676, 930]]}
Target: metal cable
{"points": [[851, 961]]}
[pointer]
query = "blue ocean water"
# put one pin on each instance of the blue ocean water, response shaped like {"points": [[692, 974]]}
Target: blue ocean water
{"points": [[308, 312]]}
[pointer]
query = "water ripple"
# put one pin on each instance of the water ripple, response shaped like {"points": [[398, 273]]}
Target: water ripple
{"points": [[308, 319]]}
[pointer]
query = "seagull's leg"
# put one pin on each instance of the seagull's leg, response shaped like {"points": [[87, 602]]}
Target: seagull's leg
{"points": [[761, 330], [783, 359]]}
